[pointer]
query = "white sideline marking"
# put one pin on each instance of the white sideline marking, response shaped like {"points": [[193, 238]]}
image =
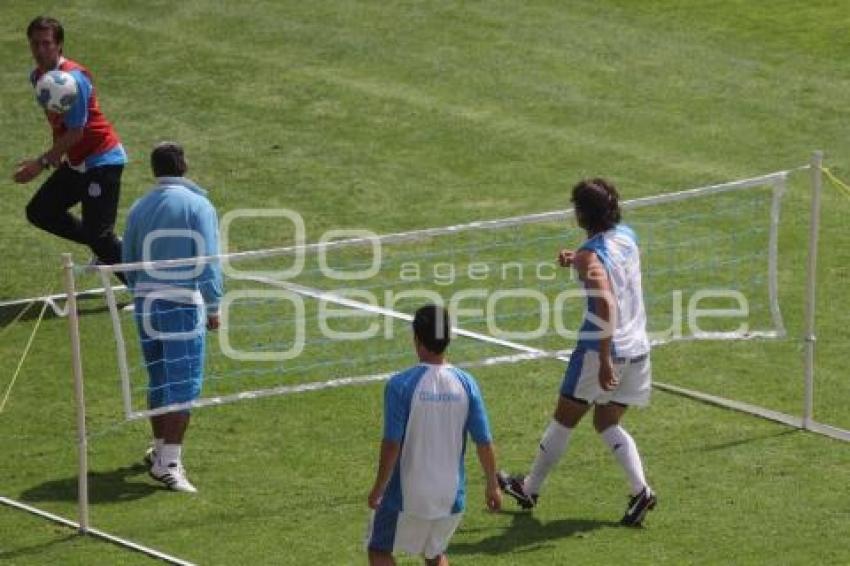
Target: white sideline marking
{"points": [[777, 416], [97, 533]]}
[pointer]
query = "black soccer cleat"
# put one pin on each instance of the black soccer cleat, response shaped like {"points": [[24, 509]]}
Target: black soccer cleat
{"points": [[639, 506], [512, 485]]}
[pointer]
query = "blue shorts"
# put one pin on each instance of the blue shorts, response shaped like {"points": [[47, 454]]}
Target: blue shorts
{"points": [[173, 339]]}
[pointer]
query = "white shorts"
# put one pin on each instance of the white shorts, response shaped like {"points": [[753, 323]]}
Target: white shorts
{"points": [[581, 379], [393, 531]]}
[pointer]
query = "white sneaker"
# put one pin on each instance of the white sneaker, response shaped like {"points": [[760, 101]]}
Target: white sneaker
{"points": [[173, 476]]}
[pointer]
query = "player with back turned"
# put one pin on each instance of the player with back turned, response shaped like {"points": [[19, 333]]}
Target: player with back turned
{"points": [[609, 368], [419, 489]]}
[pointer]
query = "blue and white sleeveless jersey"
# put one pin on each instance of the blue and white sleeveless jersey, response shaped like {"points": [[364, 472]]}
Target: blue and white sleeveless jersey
{"points": [[429, 409], [618, 251]]}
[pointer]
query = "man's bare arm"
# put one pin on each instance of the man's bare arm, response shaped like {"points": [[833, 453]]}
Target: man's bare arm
{"points": [[30, 168], [386, 462], [595, 277], [487, 458]]}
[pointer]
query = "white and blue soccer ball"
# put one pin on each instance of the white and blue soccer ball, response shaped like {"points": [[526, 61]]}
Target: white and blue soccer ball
{"points": [[56, 91]]}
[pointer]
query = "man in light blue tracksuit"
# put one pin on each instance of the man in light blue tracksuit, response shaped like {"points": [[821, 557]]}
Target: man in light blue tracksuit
{"points": [[174, 306]]}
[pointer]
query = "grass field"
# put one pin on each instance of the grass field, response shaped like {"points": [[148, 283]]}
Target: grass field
{"points": [[397, 116]]}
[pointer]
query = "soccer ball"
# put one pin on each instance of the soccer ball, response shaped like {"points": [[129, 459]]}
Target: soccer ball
{"points": [[56, 91]]}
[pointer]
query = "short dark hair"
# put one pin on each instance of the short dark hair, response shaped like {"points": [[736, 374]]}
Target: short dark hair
{"points": [[167, 160], [597, 204], [46, 22], [432, 328]]}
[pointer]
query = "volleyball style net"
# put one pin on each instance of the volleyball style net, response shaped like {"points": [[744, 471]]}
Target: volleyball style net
{"points": [[337, 311]]}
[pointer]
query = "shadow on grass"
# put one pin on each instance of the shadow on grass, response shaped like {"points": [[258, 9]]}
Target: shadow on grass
{"points": [[36, 549], [104, 487], [86, 305], [750, 439], [526, 532]]}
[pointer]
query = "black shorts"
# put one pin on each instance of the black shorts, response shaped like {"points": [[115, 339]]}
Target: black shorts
{"points": [[98, 190]]}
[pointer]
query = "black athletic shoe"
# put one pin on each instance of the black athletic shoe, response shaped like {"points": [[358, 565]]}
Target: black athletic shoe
{"points": [[639, 506], [512, 485]]}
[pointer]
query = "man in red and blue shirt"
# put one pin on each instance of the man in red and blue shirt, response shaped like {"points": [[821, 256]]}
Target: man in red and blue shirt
{"points": [[86, 153]]}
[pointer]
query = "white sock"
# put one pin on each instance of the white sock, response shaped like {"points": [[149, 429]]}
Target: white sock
{"points": [[625, 451], [170, 453], [157, 445], [552, 447]]}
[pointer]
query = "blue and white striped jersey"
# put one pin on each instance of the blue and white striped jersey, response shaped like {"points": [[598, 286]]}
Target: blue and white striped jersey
{"points": [[618, 251], [429, 409]]}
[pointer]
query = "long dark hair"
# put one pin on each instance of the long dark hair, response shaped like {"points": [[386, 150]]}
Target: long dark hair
{"points": [[597, 204]]}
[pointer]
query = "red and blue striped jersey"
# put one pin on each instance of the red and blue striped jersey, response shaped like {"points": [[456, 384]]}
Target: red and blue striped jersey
{"points": [[99, 137]]}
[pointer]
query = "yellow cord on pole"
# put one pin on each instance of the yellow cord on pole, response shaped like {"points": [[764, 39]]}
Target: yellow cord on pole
{"points": [[841, 185], [16, 319], [23, 357]]}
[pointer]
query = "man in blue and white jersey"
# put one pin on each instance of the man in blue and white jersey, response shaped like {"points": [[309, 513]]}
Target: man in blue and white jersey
{"points": [[173, 306], [419, 491], [609, 368]]}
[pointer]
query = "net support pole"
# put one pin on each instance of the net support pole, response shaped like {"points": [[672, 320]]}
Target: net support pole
{"points": [[811, 283], [120, 345], [773, 257], [79, 396]]}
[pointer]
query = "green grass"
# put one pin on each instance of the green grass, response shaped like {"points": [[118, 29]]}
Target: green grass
{"points": [[410, 115]]}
